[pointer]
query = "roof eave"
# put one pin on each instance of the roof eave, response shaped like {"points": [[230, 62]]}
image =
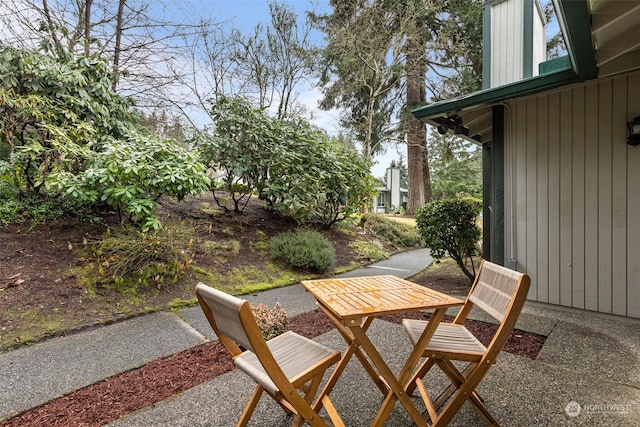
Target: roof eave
{"points": [[497, 94]]}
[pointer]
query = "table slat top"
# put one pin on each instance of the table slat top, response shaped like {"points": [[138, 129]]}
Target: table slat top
{"points": [[357, 297]]}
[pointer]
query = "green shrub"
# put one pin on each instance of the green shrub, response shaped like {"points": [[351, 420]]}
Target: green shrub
{"points": [[129, 258], [55, 112], [297, 169], [272, 321], [449, 226], [36, 209], [394, 232], [372, 251], [303, 249], [132, 174]]}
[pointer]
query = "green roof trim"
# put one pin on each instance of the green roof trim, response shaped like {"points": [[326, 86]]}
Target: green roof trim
{"points": [[555, 64], [574, 18], [497, 94]]}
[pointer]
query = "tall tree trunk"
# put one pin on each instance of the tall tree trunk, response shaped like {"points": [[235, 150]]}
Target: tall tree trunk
{"points": [[118, 44], [50, 24], [87, 26], [426, 172], [417, 161], [366, 145]]}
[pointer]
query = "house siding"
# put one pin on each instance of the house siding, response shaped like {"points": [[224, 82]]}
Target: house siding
{"points": [[539, 39], [572, 195], [506, 42]]}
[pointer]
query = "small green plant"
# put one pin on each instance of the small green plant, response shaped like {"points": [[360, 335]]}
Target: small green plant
{"points": [[372, 251], [303, 249], [449, 226], [396, 233], [272, 321], [262, 243], [221, 247], [130, 258]]}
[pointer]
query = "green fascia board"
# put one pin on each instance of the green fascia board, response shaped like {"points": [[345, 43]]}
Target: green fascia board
{"points": [[574, 18], [490, 96], [552, 65], [575, 21]]}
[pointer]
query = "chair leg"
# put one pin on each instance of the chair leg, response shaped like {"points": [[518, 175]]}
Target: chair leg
{"points": [[332, 412], [284, 404], [251, 406], [462, 391], [431, 410], [448, 412], [309, 395], [478, 406], [456, 377], [420, 373]]}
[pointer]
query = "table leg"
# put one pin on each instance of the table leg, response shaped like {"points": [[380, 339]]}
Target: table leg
{"points": [[346, 357], [396, 391], [354, 348], [400, 384]]}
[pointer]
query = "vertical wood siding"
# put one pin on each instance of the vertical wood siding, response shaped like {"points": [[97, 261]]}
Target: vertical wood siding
{"points": [[506, 42], [633, 209], [572, 195], [539, 41]]}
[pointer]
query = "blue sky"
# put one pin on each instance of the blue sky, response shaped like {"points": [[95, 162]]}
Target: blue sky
{"points": [[245, 14]]}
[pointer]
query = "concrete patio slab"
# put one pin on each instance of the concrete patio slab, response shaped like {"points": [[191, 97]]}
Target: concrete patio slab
{"points": [[518, 391]]}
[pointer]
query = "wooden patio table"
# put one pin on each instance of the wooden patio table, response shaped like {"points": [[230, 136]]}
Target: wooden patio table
{"points": [[352, 304]]}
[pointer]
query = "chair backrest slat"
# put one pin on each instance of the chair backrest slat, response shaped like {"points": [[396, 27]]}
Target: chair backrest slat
{"points": [[494, 289], [227, 314]]}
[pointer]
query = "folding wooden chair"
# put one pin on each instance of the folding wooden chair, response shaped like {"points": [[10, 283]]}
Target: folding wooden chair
{"points": [[500, 292], [280, 366]]}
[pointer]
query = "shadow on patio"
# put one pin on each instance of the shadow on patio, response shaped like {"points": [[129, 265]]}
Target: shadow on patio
{"points": [[587, 373]]}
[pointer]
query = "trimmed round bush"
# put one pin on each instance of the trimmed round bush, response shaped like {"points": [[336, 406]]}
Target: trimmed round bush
{"points": [[303, 249], [450, 227]]}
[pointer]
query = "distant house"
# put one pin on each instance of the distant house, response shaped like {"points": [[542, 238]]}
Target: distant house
{"points": [[561, 169], [391, 196]]}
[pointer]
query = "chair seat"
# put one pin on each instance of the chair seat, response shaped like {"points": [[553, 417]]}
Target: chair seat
{"points": [[452, 340], [296, 355]]}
